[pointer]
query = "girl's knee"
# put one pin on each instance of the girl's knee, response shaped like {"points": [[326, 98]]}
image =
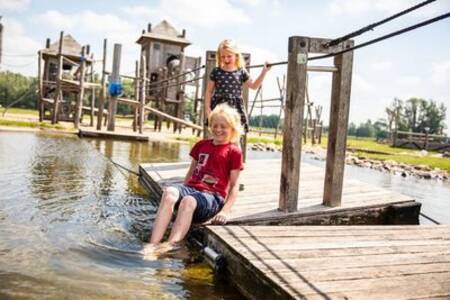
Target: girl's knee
{"points": [[188, 203], [170, 195]]}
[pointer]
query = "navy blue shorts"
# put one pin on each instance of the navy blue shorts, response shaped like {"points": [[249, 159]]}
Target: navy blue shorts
{"points": [[208, 203]]}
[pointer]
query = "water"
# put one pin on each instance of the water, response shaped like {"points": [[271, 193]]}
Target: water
{"points": [[71, 222]]}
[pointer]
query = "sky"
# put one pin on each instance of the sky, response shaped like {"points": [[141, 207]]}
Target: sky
{"points": [[415, 64]]}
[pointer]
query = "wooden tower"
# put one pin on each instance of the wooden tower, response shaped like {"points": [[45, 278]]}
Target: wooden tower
{"points": [[162, 52], [63, 69]]}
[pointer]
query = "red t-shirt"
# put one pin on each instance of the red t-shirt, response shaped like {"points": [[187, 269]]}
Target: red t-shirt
{"points": [[214, 165]]}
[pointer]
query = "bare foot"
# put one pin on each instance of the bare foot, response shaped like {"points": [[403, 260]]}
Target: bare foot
{"points": [[164, 248], [149, 252]]}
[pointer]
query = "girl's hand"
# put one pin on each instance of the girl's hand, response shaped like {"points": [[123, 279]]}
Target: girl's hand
{"points": [[266, 67], [219, 219]]}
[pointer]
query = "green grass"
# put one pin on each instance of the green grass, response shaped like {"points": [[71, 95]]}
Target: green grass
{"points": [[21, 111], [15, 123]]}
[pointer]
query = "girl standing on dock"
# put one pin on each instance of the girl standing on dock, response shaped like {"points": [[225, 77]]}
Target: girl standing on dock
{"points": [[210, 186], [227, 79]]}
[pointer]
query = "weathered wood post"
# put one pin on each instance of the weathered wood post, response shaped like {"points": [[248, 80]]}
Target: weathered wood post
{"points": [[180, 95], [79, 105], [114, 78], [136, 96], [1, 40], [210, 63], [337, 135], [58, 93], [93, 90], [142, 95], [102, 100], [40, 86], [293, 123]]}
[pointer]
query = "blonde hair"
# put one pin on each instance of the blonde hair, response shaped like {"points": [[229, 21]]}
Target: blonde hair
{"points": [[230, 46], [232, 118]]}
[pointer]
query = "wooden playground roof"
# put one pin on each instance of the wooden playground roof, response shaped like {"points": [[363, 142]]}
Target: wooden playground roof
{"points": [[70, 48], [164, 31]]}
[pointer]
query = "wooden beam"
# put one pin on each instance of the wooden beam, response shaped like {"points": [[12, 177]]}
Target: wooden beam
{"points": [[136, 96], [337, 136], [142, 95], [92, 115], [174, 119], [101, 102], [40, 85], [58, 93], [115, 77], [80, 95], [293, 123], [209, 66]]}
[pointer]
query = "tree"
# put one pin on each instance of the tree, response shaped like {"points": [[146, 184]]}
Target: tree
{"points": [[13, 86]]}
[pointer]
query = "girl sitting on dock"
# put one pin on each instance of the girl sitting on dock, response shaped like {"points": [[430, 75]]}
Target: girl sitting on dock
{"points": [[210, 186]]}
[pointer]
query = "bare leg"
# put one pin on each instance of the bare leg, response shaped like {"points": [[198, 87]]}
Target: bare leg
{"points": [[165, 211], [183, 220]]}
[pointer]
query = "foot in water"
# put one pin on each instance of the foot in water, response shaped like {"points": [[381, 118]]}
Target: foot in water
{"points": [[153, 252]]}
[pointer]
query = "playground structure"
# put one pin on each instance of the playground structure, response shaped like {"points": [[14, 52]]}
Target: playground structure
{"points": [[66, 77]]}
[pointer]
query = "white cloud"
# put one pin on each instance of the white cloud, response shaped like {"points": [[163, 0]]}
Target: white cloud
{"points": [[409, 81], [13, 5], [441, 73], [381, 66], [203, 13], [56, 19], [139, 11], [23, 58]]}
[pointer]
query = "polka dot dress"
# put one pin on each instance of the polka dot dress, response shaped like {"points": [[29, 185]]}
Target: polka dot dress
{"points": [[228, 89]]}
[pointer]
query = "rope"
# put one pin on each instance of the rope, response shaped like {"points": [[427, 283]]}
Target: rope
{"points": [[429, 218], [401, 31], [372, 26], [172, 85], [119, 166], [427, 22], [19, 99], [178, 75]]}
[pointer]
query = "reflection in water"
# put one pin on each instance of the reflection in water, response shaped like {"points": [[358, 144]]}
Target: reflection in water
{"points": [[71, 223]]}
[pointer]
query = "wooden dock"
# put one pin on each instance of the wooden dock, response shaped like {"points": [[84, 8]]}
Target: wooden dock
{"points": [[257, 204], [319, 262], [336, 262], [131, 136]]}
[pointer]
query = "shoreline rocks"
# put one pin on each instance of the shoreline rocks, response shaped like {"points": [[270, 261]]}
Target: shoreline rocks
{"points": [[388, 166]]}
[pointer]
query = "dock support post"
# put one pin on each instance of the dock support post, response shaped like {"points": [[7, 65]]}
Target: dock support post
{"points": [[58, 93], [40, 85], [79, 105], [101, 102], [115, 77], [293, 123], [209, 65], [337, 136], [142, 95]]}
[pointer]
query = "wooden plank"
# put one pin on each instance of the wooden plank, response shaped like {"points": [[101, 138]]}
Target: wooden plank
{"points": [[172, 118], [293, 123], [380, 261], [111, 134]]}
